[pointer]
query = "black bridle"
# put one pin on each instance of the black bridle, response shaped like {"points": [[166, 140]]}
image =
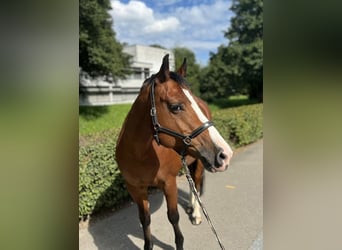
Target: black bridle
{"points": [[187, 139]]}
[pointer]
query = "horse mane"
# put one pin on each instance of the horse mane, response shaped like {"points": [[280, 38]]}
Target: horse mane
{"points": [[173, 75]]}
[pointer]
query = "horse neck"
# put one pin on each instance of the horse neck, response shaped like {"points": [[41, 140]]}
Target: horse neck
{"points": [[138, 134]]}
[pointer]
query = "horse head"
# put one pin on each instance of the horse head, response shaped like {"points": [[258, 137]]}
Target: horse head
{"points": [[181, 120]]}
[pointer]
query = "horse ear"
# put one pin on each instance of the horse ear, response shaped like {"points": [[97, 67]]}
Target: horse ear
{"points": [[164, 73], [182, 69]]}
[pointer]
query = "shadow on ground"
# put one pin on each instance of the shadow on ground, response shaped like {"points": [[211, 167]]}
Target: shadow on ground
{"points": [[92, 112], [119, 230], [224, 103]]}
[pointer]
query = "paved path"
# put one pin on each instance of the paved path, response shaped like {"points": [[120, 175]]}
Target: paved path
{"points": [[234, 200]]}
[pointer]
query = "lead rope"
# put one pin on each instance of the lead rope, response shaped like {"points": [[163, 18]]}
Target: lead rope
{"points": [[194, 191]]}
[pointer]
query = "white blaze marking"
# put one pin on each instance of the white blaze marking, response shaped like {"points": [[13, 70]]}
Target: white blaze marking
{"points": [[214, 134], [194, 105]]}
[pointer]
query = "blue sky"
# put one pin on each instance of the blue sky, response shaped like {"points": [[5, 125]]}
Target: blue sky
{"points": [[197, 25]]}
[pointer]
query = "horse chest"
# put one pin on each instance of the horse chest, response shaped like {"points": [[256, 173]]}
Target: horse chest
{"points": [[151, 171]]}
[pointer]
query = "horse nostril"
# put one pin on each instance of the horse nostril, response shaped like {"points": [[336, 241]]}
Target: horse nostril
{"points": [[220, 157], [223, 156]]}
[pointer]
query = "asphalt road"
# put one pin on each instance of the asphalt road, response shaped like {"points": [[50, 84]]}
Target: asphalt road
{"points": [[234, 201]]}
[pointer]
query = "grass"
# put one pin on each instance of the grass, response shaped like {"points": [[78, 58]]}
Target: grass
{"points": [[100, 118], [97, 119]]}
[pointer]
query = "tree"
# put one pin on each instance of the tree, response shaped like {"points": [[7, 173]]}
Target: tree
{"points": [[246, 41], [193, 68], [218, 80], [99, 52], [237, 67]]}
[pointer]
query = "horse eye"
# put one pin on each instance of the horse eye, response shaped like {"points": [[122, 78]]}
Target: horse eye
{"points": [[175, 108]]}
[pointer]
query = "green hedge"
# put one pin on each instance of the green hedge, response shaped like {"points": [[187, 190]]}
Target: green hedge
{"points": [[100, 182], [240, 126]]}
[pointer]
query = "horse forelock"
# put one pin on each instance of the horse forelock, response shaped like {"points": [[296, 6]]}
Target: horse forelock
{"points": [[179, 79], [173, 75]]}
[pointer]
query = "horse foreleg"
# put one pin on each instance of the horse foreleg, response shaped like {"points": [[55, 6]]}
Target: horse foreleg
{"points": [[140, 196], [171, 194], [197, 174]]}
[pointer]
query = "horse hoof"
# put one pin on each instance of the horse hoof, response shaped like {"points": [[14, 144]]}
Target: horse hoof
{"points": [[196, 220], [189, 210], [148, 246]]}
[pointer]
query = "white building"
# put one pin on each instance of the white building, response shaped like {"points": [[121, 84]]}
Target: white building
{"points": [[145, 61]]}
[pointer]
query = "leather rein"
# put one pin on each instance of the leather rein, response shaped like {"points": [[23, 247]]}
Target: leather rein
{"points": [[187, 139]]}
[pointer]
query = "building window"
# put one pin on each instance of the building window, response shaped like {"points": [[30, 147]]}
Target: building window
{"points": [[136, 73], [146, 73]]}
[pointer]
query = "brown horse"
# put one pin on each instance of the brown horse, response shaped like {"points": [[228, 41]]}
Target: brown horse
{"points": [[166, 121]]}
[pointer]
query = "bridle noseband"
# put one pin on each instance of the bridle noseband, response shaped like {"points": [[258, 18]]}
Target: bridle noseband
{"points": [[187, 139]]}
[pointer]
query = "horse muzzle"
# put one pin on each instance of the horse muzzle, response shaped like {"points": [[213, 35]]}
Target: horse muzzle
{"points": [[214, 161]]}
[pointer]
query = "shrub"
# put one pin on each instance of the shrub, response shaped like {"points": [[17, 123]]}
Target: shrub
{"points": [[240, 126], [100, 182]]}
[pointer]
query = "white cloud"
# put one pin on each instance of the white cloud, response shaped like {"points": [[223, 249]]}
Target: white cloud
{"points": [[203, 45], [199, 27], [205, 21], [136, 19], [170, 24], [132, 11], [166, 2]]}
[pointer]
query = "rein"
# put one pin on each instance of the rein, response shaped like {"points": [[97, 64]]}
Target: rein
{"points": [[187, 139], [204, 210]]}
